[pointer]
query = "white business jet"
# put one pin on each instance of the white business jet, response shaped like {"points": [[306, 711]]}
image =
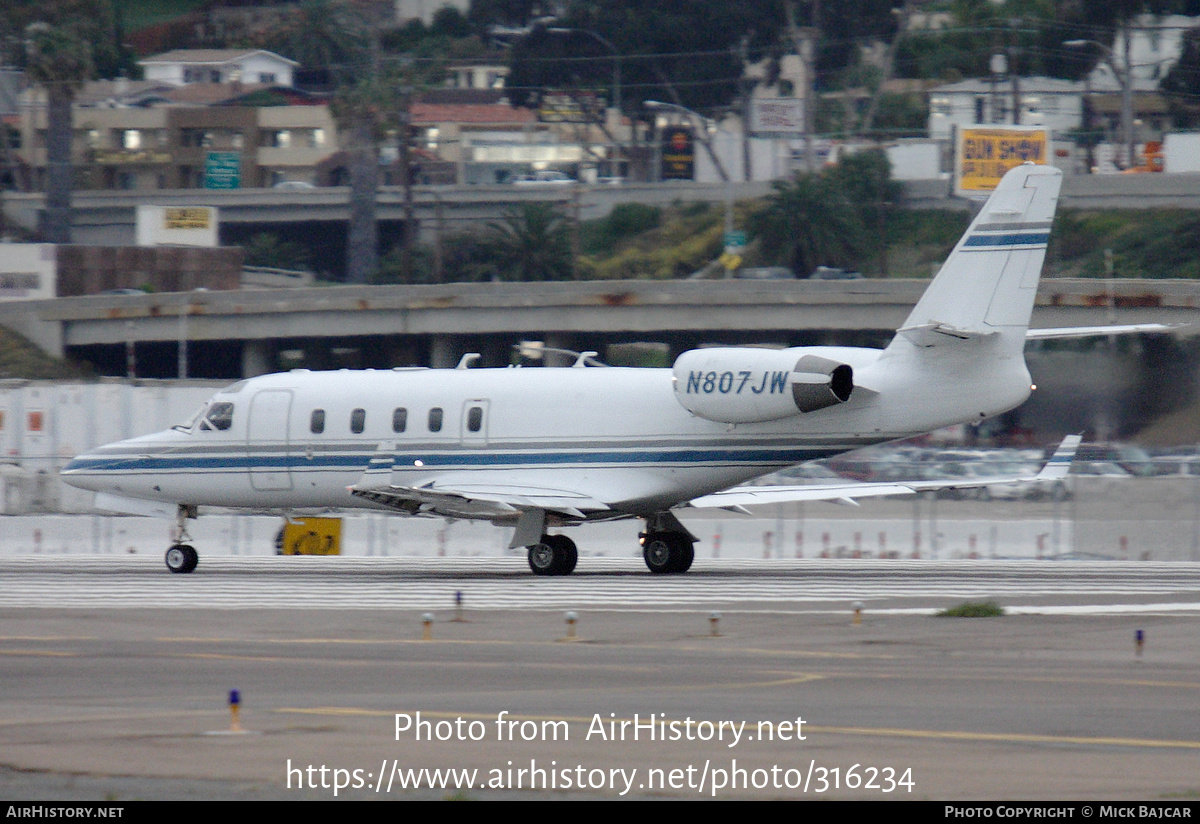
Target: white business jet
{"points": [[541, 449]]}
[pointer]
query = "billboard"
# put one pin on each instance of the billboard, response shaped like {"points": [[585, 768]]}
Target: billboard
{"points": [[777, 117], [984, 153], [575, 106], [176, 225], [678, 153]]}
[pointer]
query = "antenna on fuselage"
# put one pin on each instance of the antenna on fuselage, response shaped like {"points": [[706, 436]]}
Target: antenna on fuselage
{"points": [[466, 360]]}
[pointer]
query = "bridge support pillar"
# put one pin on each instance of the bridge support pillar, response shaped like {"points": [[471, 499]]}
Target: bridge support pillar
{"points": [[443, 352], [256, 358]]}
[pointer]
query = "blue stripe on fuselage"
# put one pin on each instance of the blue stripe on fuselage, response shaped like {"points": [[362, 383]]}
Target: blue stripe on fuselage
{"points": [[184, 463]]}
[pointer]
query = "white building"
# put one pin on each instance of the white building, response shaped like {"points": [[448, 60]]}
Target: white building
{"points": [[184, 66], [1155, 44], [1053, 104]]}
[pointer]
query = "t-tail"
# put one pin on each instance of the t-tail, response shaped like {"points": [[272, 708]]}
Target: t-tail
{"points": [[961, 350]]}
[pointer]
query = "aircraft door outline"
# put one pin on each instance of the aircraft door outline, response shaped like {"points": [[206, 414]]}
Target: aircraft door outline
{"points": [[268, 456]]}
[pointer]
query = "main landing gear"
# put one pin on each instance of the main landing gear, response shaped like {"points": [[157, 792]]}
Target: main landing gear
{"points": [[667, 547], [181, 557], [553, 555]]}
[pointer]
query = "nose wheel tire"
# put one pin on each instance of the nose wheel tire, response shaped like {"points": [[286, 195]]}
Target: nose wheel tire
{"points": [[553, 555], [182, 558], [667, 552]]}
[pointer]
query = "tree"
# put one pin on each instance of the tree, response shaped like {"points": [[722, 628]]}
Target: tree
{"points": [[328, 38], [533, 242], [367, 112], [63, 43], [1182, 84], [808, 222], [681, 51]]}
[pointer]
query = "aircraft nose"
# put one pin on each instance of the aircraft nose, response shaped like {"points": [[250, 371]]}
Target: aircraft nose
{"points": [[82, 471]]}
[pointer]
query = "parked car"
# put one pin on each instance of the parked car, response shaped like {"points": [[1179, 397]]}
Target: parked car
{"points": [[547, 177]]}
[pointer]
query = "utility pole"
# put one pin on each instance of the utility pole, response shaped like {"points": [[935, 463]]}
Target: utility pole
{"points": [[804, 41], [747, 100], [889, 63]]}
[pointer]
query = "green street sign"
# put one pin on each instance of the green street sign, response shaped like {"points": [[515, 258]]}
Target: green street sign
{"points": [[223, 170]]}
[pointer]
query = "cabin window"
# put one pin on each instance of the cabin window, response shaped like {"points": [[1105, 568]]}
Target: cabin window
{"points": [[316, 423], [219, 416], [358, 421], [399, 419], [435, 419], [475, 419]]}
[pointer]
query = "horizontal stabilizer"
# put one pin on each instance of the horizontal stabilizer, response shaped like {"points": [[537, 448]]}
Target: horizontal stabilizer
{"points": [[1099, 331], [931, 334]]}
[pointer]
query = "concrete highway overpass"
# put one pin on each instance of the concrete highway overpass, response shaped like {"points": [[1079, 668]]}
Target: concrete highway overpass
{"points": [[242, 333], [108, 217]]}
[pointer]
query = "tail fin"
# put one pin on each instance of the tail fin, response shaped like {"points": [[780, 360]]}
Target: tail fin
{"points": [[989, 281]]}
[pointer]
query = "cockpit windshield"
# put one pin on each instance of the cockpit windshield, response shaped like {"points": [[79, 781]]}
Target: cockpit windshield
{"points": [[218, 416]]}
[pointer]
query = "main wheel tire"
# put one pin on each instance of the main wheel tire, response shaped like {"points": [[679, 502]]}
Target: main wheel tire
{"points": [[659, 553], [686, 556], [668, 552], [543, 559], [568, 554], [182, 558]]}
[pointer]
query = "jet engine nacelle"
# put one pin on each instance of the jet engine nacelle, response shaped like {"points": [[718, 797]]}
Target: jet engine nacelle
{"points": [[745, 385]]}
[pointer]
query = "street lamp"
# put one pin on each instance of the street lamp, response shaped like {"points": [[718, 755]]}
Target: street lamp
{"points": [[658, 105], [616, 81], [1124, 77]]}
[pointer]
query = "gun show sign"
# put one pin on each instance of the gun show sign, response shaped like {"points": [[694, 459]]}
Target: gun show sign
{"points": [[678, 153], [984, 153]]}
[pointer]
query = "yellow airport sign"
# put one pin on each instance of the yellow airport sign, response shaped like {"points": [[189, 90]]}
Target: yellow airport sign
{"points": [[984, 153], [312, 536]]}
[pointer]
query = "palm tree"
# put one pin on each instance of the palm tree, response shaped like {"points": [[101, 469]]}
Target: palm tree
{"points": [[533, 242], [367, 112], [65, 42], [60, 60], [809, 222]]}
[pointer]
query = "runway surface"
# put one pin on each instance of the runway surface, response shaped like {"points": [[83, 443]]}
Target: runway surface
{"points": [[116, 676], [224, 582]]}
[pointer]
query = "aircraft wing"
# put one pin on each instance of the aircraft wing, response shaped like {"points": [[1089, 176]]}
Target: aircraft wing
{"points": [[478, 500], [1098, 331], [738, 498]]}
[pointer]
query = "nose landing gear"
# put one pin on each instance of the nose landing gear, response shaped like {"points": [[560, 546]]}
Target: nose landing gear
{"points": [[182, 558]]}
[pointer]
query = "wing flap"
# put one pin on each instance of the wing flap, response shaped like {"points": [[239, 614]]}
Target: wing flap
{"points": [[478, 500]]}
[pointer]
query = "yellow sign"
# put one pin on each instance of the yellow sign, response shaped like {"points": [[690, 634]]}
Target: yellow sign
{"points": [[178, 217], [111, 157], [731, 261], [312, 536], [984, 154]]}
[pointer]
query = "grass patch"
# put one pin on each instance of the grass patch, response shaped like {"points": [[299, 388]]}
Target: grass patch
{"points": [[21, 359], [973, 609]]}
